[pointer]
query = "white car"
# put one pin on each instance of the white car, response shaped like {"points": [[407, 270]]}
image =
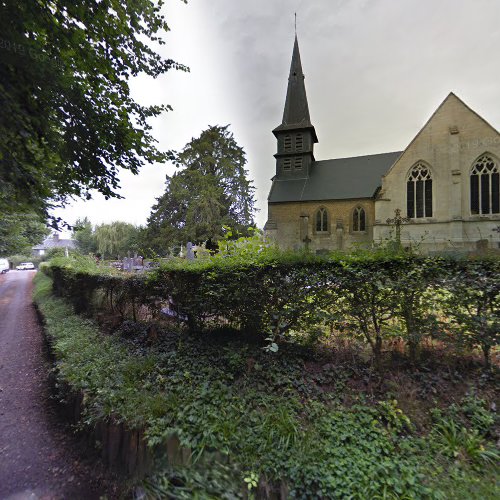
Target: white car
{"points": [[4, 266], [25, 266]]}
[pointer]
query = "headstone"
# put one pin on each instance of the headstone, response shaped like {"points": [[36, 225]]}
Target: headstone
{"points": [[128, 264], [482, 246], [189, 251]]}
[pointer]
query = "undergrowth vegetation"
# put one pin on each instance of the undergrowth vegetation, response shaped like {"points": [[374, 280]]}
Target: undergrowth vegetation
{"points": [[314, 419]]}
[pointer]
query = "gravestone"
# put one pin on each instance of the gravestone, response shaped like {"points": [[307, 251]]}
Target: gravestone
{"points": [[128, 264], [189, 251], [482, 246]]}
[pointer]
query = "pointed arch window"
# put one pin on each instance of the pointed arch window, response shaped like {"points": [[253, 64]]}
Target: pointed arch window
{"points": [[485, 186], [359, 220], [419, 192], [322, 221]]}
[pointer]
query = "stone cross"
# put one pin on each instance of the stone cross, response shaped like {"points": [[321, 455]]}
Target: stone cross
{"points": [[398, 221], [127, 264], [306, 241]]}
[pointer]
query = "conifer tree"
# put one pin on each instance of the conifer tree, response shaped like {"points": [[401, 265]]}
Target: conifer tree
{"points": [[209, 192]]}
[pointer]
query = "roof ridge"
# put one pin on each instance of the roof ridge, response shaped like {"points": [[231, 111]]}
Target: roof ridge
{"points": [[360, 156]]}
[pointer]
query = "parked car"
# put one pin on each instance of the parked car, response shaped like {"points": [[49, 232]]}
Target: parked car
{"points": [[4, 266], [25, 266]]}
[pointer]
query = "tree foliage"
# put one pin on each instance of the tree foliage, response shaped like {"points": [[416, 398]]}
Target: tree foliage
{"points": [[275, 296], [472, 306], [68, 122], [83, 233], [210, 192], [20, 232], [117, 239]]}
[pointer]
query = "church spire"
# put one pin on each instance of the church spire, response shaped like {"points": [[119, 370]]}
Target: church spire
{"points": [[295, 135], [296, 110]]}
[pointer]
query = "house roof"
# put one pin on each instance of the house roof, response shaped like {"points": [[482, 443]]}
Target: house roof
{"points": [[337, 179], [55, 243]]}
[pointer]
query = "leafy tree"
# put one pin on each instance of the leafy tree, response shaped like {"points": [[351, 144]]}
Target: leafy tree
{"points": [[84, 235], [472, 305], [116, 239], [20, 232], [68, 122], [365, 301], [415, 300], [210, 192]]}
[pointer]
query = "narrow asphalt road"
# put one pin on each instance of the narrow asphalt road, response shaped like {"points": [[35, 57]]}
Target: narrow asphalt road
{"points": [[39, 457]]}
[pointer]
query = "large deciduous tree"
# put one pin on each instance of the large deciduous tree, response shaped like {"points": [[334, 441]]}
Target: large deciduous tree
{"points": [[117, 239], [84, 235], [68, 123], [209, 192], [20, 232]]}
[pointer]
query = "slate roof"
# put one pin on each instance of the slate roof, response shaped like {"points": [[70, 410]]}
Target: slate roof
{"points": [[296, 112], [51, 242], [337, 179]]}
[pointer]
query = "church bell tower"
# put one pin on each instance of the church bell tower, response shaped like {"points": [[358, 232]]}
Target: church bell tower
{"points": [[296, 135]]}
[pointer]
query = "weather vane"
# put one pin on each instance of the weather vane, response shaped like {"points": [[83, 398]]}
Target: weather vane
{"points": [[295, 23]]}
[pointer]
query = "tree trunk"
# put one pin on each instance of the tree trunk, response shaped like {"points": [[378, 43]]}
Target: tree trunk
{"points": [[413, 350], [413, 339], [486, 353], [377, 352]]}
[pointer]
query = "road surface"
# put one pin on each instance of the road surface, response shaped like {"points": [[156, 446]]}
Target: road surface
{"points": [[39, 457]]}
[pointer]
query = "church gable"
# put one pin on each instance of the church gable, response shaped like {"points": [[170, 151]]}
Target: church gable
{"points": [[452, 118], [432, 182]]}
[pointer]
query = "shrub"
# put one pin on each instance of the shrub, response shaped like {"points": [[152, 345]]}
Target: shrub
{"points": [[269, 294]]}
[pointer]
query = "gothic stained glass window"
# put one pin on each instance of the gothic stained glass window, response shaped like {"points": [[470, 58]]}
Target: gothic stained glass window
{"points": [[419, 192], [359, 219], [321, 221], [485, 186]]}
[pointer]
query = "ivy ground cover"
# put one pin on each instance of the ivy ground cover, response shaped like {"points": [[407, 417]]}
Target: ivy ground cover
{"points": [[304, 422]]}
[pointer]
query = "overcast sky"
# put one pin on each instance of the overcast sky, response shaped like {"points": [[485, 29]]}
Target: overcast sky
{"points": [[375, 72]]}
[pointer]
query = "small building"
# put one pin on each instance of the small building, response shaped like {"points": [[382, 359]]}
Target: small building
{"points": [[445, 184], [53, 241]]}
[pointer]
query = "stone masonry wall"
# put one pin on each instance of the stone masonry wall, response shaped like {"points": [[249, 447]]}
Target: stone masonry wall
{"points": [[294, 221]]}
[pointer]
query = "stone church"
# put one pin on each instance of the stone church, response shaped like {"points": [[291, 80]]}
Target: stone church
{"points": [[443, 189]]}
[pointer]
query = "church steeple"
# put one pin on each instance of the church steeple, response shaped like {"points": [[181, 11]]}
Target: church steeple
{"points": [[296, 108], [296, 135]]}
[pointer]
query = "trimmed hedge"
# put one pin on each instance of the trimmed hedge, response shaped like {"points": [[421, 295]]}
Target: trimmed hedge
{"points": [[368, 294]]}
